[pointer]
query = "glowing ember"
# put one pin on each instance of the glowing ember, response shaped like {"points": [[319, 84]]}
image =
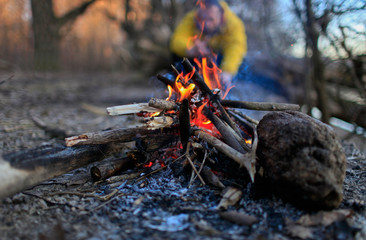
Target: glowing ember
{"points": [[149, 164]]}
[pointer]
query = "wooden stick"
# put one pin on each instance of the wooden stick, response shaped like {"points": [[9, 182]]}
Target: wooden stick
{"points": [[247, 125], [192, 165], [167, 82], [227, 135], [24, 169], [249, 119], [110, 167], [245, 160], [119, 135], [131, 109], [163, 104], [261, 106]]}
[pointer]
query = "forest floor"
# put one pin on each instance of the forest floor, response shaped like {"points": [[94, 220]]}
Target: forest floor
{"points": [[165, 207]]}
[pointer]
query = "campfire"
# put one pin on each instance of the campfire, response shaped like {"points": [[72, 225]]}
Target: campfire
{"points": [[195, 111], [196, 129]]}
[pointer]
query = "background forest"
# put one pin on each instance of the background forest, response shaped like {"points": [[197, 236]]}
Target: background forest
{"points": [[314, 48]]}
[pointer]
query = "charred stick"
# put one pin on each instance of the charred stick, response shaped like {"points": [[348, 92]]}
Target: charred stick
{"points": [[184, 123], [224, 131], [110, 167], [163, 104], [119, 135], [167, 82], [261, 106], [176, 72], [245, 160]]}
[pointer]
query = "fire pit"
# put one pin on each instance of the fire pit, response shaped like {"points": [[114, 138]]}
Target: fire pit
{"points": [[149, 192]]}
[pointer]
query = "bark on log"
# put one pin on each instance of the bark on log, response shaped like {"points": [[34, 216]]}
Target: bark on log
{"points": [[163, 104], [119, 135], [24, 169], [302, 159], [261, 106]]}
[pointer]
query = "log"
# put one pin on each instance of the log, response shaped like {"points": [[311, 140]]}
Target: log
{"points": [[261, 106], [119, 135], [302, 159], [131, 109], [163, 104], [24, 169], [245, 160], [109, 167]]}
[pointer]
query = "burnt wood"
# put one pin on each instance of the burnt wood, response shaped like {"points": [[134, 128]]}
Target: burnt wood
{"points": [[184, 123], [24, 169]]}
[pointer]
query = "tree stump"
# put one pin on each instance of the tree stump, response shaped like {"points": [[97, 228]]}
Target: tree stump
{"points": [[302, 160]]}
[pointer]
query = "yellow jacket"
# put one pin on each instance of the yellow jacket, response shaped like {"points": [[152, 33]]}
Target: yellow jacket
{"points": [[230, 41]]}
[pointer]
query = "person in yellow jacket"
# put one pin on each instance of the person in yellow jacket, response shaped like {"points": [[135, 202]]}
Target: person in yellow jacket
{"points": [[212, 27]]}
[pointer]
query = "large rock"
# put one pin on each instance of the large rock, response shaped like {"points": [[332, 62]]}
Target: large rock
{"points": [[302, 159]]}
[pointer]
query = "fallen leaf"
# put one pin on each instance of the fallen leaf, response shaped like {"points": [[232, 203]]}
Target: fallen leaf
{"points": [[231, 197], [240, 218], [205, 228]]}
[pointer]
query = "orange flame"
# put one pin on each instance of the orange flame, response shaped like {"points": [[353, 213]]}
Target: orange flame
{"points": [[170, 89], [183, 86], [200, 119], [210, 74]]}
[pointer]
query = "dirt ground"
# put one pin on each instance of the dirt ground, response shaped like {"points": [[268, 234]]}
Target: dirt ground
{"points": [[72, 206]]}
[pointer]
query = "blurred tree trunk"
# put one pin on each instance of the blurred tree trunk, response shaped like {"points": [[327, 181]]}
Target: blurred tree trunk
{"points": [[313, 27], [47, 30], [312, 35]]}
